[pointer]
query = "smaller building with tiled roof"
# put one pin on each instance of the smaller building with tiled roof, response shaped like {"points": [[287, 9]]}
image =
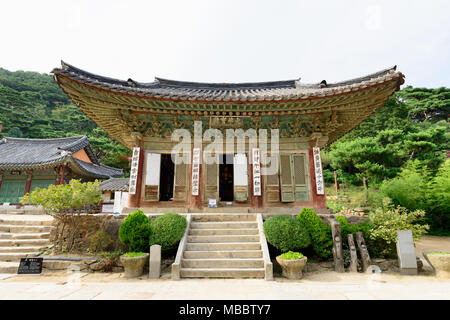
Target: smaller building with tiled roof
{"points": [[115, 184], [26, 164]]}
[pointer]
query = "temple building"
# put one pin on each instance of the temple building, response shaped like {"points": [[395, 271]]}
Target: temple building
{"points": [[301, 118], [26, 164]]}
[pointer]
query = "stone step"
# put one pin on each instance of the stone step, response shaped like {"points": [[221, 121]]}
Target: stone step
{"points": [[16, 256], [22, 249], [9, 235], [12, 267], [9, 267], [223, 238], [34, 221], [224, 225], [24, 242], [16, 212], [56, 264], [223, 254], [216, 217], [24, 229], [222, 263], [223, 246], [211, 232], [222, 273]]}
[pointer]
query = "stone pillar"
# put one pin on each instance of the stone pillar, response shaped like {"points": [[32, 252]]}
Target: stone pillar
{"points": [[353, 256], [337, 246], [319, 200], [365, 257], [154, 266]]}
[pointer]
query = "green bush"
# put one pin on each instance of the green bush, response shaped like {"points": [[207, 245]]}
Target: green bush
{"points": [[386, 222], [135, 232], [319, 232], [286, 233], [416, 188], [348, 228], [100, 242], [167, 230]]}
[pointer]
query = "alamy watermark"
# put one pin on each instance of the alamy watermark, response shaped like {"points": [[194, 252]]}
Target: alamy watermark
{"points": [[236, 141]]}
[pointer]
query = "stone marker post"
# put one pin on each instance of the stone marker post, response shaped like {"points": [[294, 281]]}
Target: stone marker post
{"points": [[154, 270], [353, 257], [337, 246], [365, 258], [406, 253]]}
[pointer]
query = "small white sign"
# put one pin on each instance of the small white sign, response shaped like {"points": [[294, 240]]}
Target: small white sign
{"points": [[134, 170], [318, 171], [195, 171], [212, 203], [256, 161]]}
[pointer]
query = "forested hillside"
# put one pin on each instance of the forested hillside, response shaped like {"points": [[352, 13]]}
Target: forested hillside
{"points": [[400, 152], [33, 106]]}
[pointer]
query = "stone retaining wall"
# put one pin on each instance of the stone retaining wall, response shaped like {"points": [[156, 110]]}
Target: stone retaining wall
{"points": [[89, 225]]}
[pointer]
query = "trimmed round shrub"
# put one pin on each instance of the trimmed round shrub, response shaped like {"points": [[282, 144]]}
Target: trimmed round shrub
{"points": [[167, 230], [135, 232], [286, 233], [319, 232]]}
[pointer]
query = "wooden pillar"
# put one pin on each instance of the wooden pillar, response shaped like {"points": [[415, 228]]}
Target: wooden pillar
{"points": [[319, 200], [1, 179], [62, 174], [28, 184]]}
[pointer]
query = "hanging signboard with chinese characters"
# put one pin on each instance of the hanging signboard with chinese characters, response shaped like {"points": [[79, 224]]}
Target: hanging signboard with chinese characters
{"points": [[195, 171], [134, 170], [318, 171], [256, 172]]}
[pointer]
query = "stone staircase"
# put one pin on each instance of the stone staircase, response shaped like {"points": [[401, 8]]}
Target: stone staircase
{"points": [[22, 236], [223, 246]]}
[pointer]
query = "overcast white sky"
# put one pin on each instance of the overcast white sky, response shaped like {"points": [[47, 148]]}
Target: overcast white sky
{"points": [[230, 41]]}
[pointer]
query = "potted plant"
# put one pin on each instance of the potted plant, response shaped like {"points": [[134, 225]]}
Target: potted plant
{"points": [[440, 261], [292, 264], [133, 263]]}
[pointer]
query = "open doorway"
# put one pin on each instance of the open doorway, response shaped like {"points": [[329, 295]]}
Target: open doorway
{"points": [[226, 178], [166, 178]]}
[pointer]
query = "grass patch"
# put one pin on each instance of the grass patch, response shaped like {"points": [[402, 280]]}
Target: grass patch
{"points": [[134, 254], [439, 253]]}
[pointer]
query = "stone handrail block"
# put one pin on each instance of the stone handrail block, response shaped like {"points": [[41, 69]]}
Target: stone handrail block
{"points": [[268, 267], [180, 251]]}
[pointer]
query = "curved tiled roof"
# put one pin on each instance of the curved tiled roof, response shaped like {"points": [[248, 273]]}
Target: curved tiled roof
{"points": [[196, 91], [115, 184], [98, 170], [24, 153]]}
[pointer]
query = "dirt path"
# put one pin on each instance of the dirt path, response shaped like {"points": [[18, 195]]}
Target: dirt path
{"points": [[432, 243]]}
